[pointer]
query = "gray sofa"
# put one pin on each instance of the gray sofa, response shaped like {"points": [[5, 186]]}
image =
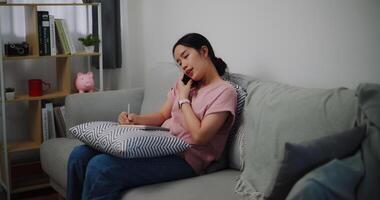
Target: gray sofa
{"points": [[335, 113]]}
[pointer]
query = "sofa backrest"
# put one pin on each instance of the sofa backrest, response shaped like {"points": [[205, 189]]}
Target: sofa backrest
{"points": [[276, 113], [158, 81], [100, 106]]}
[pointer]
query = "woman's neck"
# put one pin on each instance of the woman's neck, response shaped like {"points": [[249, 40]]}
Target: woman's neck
{"points": [[212, 76]]}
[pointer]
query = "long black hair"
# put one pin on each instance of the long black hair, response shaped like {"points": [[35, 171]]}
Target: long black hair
{"points": [[196, 41]]}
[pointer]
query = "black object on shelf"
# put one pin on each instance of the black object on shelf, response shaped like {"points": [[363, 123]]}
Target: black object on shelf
{"points": [[16, 49]]}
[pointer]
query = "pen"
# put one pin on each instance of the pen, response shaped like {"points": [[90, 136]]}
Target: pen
{"points": [[129, 107]]}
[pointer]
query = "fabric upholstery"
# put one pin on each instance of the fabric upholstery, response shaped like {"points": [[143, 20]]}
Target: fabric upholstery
{"points": [[218, 185], [126, 142], [337, 179], [234, 143], [54, 156], [100, 106], [304, 157], [277, 113], [369, 104], [278, 108]]}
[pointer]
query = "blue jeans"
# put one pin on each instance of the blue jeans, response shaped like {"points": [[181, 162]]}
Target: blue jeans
{"points": [[94, 175]]}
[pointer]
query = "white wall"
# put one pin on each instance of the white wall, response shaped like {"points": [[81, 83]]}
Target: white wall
{"points": [[311, 43]]}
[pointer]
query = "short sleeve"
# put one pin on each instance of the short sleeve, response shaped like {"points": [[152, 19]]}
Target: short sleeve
{"points": [[172, 92], [224, 101]]}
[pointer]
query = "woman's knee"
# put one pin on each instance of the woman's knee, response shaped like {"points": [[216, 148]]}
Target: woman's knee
{"points": [[81, 153], [99, 164]]}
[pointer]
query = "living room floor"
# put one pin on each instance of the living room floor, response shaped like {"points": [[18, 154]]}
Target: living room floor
{"points": [[42, 194]]}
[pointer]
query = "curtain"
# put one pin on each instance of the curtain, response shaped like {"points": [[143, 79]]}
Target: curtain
{"points": [[111, 33]]}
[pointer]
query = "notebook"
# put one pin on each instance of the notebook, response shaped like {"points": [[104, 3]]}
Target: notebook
{"points": [[146, 127]]}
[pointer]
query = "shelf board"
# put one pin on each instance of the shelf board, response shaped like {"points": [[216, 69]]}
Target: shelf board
{"points": [[49, 95], [50, 4], [81, 53], [29, 183], [18, 146]]}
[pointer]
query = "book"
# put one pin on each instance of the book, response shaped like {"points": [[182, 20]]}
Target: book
{"points": [[43, 32], [68, 36], [60, 126], [45, 128], [53, 46], [51, 124], [62, 41], [63, 112], [145, 127]]}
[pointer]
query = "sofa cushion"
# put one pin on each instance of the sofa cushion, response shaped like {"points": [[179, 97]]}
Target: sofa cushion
{"points": [[276, 113], [337, 179], [304, 157], [54, 157], [369, 104], [218, 185], [233, 148], [128, 142]]}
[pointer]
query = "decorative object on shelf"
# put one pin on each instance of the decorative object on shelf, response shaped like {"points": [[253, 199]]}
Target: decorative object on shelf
{"points": [[16, 49], [10, 93], [36, 87], [88, 1], [85, 82], [89, 42]]}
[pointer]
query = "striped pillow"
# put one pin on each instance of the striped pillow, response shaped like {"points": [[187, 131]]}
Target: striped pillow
{"points": [[109, 137], [240, 100]]}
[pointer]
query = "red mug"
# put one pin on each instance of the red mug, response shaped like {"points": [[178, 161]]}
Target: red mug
{"points": [[36, 87]]}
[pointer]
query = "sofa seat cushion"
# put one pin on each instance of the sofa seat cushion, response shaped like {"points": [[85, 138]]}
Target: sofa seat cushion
{"points": [[54, 155], [218, 185]]}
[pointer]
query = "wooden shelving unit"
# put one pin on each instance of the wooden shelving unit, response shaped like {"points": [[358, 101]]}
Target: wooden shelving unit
{"points": [[12, 177], [55, 56]]}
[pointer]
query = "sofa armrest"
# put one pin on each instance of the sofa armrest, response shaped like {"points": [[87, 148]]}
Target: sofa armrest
{"points": [[101, 106]]}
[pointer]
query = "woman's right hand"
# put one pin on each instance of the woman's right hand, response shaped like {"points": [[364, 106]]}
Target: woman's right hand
{"points": [[127, 118]]}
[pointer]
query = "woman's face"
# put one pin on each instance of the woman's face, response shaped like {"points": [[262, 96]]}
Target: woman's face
{"points": [[191, 61]]}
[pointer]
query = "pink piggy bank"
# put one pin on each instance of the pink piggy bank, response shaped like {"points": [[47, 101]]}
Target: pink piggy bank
{"points": [[84, 82]]}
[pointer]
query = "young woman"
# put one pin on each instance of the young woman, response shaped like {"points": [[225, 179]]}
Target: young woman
{"points": [[200, 111]]}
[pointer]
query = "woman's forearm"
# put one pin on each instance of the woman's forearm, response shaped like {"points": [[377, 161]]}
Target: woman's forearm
{"points": [[193, 123], [154, 119]]}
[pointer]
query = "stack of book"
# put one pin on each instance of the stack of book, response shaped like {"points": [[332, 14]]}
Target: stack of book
{"points": [[53, 122], [53, 35]]}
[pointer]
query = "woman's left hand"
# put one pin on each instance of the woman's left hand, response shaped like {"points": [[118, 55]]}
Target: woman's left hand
{"points": [[184, 90]]}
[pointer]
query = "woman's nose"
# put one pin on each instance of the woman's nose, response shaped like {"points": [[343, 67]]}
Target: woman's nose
{"points": [[184, 66]]}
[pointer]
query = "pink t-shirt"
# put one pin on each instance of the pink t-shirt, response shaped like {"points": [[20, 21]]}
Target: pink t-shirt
{"points": [[217, 97]]}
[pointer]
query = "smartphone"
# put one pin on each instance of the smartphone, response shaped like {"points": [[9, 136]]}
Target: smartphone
{"points": [[186, 79]]}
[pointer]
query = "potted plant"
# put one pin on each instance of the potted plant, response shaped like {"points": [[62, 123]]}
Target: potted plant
{"points": [[10, 93], [89, 42]]}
